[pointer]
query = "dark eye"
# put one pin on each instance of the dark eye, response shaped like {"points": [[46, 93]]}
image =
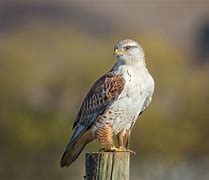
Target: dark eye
{"points": [[127, 47]]}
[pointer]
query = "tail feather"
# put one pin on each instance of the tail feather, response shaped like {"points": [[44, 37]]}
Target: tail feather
{"points": [[73, 150], [71, 154]]}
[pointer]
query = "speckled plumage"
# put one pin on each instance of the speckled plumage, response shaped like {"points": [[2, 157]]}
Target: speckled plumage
{"points": [[113, 103]]}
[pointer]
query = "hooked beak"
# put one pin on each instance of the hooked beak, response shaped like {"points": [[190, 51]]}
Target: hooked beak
{"points": [[119, 52]]}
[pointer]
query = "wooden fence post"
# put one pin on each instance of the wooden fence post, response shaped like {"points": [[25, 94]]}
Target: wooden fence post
{"points": [[107, 166]]}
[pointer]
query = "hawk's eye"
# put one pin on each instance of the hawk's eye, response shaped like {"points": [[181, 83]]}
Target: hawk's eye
{"points": [[127, 47]]}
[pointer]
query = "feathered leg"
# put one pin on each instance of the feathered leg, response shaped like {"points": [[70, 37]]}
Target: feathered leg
{"points": [[120, 138], [127, 138], [104, 135], [123, 140]]}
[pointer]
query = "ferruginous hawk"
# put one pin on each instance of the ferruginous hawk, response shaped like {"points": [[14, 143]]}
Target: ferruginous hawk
{"points": [[113, 103]]}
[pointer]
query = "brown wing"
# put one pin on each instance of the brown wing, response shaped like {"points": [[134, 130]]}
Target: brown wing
{"points": [[102, 94]]}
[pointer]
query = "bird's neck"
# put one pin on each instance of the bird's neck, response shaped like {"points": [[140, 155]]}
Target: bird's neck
{"points": [[136, 64]]}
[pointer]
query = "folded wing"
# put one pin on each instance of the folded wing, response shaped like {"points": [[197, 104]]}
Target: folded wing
{"points": [[103, 93]]}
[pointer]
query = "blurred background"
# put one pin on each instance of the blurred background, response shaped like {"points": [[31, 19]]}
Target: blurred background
{"points": [[52, 51]]}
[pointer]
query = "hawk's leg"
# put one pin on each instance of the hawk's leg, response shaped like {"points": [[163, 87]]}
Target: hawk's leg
{"points": [[123, 140], [120, 138], [104, 135], [127, 138]]}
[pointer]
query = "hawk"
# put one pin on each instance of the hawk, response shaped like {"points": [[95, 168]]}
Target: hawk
{"points": [[113, 103]]}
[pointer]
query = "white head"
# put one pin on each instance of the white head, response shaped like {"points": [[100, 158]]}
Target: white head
{"points": [[129, 52]]}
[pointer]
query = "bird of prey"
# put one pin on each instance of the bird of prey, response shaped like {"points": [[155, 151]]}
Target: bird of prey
{"points": [[113, 103]]}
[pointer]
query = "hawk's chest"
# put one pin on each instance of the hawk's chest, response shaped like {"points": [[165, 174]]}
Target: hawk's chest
{"points": [[130, 102], [136, 85]]}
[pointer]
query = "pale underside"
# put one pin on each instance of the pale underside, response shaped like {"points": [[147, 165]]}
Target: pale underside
{"points": [[122, 114]]}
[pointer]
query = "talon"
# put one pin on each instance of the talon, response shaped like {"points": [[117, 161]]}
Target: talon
{"points": [[127, 150], [120, 149], [132, 152], [112, 149], [108, 149]]}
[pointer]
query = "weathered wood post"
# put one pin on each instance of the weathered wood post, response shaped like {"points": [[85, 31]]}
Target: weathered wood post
{"points": [[107, 166]]}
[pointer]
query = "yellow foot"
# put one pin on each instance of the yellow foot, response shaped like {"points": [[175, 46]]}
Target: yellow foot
{"points": [[108, 149], [123, 149], [114, 149]]}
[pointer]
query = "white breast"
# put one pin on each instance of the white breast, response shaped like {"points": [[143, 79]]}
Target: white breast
{"points": [[139, 86]]}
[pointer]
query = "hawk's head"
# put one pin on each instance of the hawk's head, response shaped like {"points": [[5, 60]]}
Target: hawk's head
{"points": [[128, 51]]}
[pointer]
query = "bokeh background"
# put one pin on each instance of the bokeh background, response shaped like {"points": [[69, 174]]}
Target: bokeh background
{"points": [[52, 51]]}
